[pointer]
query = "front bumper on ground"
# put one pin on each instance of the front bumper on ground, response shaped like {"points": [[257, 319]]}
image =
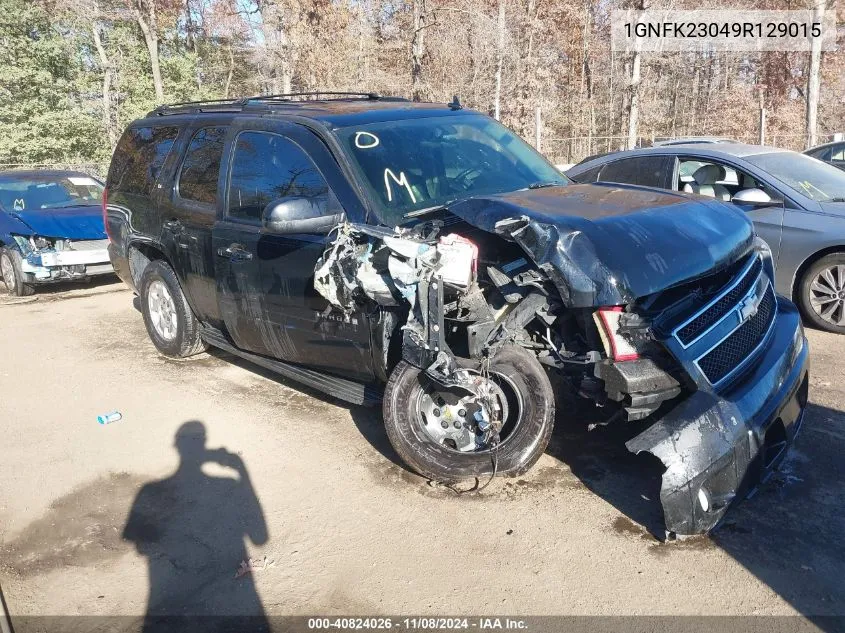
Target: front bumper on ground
{"points": [[55, 265], [717, 447]]}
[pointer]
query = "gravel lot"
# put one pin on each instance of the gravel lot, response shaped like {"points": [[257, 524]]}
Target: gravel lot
{"points": [[334, 524]]}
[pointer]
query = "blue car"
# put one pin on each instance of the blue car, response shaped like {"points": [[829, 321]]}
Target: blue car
{"points": [[51, 229]]}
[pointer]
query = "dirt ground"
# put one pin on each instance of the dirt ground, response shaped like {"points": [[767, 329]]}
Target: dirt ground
{"points": [[95, 519]]}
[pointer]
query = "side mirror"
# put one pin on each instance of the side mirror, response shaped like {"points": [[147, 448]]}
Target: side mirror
{"points": [[302, 215], [755, 198]]}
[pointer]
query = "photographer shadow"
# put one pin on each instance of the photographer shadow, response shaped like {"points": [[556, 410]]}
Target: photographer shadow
{"points": [[191, 527]]}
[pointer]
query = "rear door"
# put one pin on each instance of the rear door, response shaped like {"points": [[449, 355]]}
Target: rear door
{"points": [[189, 210], [654, 170], [265, 282]]}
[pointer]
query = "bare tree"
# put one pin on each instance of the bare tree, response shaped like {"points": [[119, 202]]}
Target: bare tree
{"points": [[145, 15], [108, 74], [420, 17], [634, 87], [813, 77], [500, 55]]}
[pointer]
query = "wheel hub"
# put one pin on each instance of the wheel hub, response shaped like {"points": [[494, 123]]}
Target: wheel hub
{"points": [[162, 310], [460, 419], [827, 294]]}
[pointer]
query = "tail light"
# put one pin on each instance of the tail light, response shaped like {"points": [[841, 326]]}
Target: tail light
{"points": [[616, 345], [105, 201]]}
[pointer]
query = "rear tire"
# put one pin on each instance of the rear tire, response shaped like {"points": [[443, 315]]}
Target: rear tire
{"points": [[517, 452], [11, 269], [821, 293], [171, 323]]}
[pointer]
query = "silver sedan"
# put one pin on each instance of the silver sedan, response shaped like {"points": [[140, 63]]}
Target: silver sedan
{"points": [[797, 204]]}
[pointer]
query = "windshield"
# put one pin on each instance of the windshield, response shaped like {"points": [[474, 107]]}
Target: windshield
{"points": [[808, 176], [50, 192], [417, 164]]}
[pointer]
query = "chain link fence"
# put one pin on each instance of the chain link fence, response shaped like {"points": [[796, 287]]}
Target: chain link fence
{"points": [[96, 169], [562, 151], [574, 149]]}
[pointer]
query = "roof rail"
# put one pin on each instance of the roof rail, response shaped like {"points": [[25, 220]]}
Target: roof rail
{"points": [[287, 96], [184, 107]]}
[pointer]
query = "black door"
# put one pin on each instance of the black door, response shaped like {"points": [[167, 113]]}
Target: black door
{"points": [[189, 211], [265, 282]]}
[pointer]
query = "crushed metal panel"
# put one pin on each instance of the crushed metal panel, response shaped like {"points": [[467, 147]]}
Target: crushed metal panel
{"points": [[703, 440], [605, 245]]}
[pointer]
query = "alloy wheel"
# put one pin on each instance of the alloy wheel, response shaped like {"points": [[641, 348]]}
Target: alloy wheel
{"points": [[827, 294], [162, 310]]}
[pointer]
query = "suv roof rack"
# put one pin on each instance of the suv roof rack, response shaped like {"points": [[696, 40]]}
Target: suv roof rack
{"points": [[234, 105]]}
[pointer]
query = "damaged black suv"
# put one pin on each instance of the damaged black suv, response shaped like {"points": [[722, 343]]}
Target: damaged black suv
{"points": [[424, 255]]}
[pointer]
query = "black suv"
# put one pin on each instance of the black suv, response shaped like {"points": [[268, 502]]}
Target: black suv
{"points": [[424, 255]]}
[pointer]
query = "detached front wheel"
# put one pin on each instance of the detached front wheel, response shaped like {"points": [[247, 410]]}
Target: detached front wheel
{"points": [[439, 432]]}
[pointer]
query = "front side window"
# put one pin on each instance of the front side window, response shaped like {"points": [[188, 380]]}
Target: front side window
{"points": [[49, 192], [267, 167], [139, 157], [717, 180], [198, 177], [417, 164], [647, 171]]}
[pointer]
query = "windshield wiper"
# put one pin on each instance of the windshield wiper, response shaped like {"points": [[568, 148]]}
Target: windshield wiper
{"points": [[426, 211], [837, 200], [541, 185]]}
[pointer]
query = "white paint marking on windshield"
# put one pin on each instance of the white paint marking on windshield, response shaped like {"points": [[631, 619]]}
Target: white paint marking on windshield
{"points": [[81, 180], [401, 180], [19, 204], [368, 144]]}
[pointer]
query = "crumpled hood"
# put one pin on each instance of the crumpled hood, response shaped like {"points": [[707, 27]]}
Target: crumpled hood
{"points": [[75, 223], [611, 244]]}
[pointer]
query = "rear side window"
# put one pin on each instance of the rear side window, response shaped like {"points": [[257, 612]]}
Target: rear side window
{"points": [[139, 157], [591, 175], [198, 177], [267, 167], [648, 171], [821, 154]]}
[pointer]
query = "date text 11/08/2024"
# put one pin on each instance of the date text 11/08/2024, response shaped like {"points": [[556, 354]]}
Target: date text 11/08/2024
{"points": [[418, 623]]}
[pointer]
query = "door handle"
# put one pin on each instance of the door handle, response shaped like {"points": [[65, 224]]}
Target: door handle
{"points": [[174, 226], [235, 252]]}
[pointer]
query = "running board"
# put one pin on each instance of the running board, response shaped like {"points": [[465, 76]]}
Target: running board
{"points": [[342, 388]]}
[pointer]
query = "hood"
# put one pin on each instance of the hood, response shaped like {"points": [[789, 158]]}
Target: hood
{"points": [[612, 244], [75, 223], [835, 208]]}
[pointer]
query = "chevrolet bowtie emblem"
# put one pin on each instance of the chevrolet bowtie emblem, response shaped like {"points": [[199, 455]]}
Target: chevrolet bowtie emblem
{"points": [[748, 308]]}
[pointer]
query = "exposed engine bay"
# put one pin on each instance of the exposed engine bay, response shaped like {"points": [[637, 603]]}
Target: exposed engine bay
{"points": [[56, 259], [464, 301], [462, 296]]}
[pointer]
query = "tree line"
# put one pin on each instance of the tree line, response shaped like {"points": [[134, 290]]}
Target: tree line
{"points": [[75, 72]]}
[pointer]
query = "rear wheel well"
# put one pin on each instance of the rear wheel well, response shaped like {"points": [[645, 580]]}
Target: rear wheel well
{"points": [[812, 259], [140, 256]]}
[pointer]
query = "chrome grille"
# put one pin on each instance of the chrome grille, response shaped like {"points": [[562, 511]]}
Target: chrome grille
{"points": [[740, 345], [714, 312]]}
